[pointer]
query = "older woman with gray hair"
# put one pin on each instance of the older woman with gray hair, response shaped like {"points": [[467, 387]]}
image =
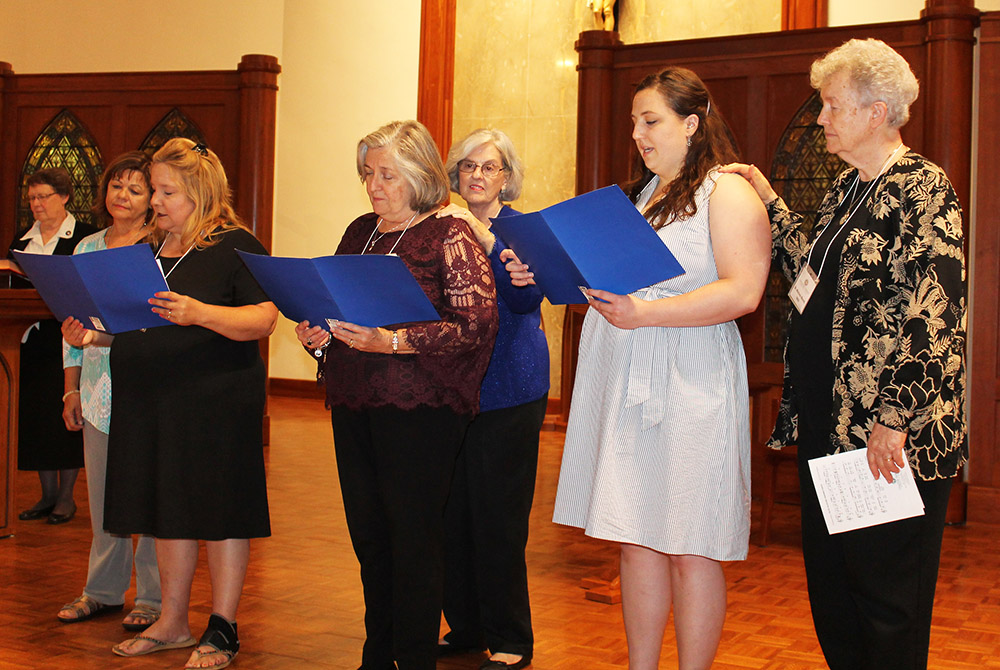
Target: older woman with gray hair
{"points": [[401, 398], [486, 519], [882, 279]]}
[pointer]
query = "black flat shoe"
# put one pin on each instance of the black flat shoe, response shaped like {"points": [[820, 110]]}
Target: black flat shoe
{"points": [[445, 649], [33, 514], [56, 519], [500, 665]]}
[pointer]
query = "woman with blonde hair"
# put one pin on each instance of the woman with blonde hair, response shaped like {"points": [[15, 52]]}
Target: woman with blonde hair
{"points": [[185, 456]]}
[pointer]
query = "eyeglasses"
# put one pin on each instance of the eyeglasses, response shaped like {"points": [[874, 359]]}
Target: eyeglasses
{"points": [[41, 197], [488, 169], [200, 149]]}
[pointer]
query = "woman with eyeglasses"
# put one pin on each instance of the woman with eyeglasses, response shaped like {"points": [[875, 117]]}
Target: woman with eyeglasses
{"points": [[44, 444], [401, 398], [185, 452], [486, 519]]}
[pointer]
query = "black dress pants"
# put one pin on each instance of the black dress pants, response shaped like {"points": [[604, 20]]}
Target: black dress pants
{"points": [[395, 468], [486, 531], [871, 590]]}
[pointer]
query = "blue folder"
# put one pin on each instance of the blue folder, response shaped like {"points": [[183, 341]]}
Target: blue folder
{"points": [[108, 290], [595, 240], [365, 290]]}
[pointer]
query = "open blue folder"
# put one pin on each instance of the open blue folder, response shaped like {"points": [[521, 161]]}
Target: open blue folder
{"points": [[595, 240], [107, 290], [365, 290]]}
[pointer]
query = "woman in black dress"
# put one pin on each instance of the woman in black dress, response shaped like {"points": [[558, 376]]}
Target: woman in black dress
{"points": [[44, 444], [185, 454]]}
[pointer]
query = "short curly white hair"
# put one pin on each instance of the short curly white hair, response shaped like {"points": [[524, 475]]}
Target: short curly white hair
{"points": [[876, 72]]}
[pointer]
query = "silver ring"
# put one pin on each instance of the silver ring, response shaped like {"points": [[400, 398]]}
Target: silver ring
{"points": [[170, 313], [309, 343]]}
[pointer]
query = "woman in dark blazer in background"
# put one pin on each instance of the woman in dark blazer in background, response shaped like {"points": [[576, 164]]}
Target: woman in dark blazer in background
{"points": [[44, 444]]}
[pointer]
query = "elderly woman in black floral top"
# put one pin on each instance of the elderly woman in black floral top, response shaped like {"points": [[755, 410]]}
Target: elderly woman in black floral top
{"points": [[882, 278]]}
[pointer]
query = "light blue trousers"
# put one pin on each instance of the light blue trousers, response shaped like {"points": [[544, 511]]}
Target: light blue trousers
{"points": [[110, 569]]}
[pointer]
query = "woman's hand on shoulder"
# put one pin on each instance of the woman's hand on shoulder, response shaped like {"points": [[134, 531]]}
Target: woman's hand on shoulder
{"points": [[755, 177], [479, 229], [621, 311], [518, 271]]}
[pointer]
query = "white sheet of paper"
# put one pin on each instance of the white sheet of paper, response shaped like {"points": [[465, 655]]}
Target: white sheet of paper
{"points": [[851, 498]]}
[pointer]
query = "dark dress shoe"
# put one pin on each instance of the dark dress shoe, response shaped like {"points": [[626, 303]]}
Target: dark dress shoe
{"points": [[56, 519], [36, 513], [500, 665], [446, 649]]}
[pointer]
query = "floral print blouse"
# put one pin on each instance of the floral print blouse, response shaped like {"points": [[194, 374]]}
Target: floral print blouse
{"points": [[899, 316]]}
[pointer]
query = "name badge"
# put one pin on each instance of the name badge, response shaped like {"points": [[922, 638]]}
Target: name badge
{"points": [[803, 287]]}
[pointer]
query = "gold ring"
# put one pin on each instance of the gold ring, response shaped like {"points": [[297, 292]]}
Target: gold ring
{"points": [[350, 344]]}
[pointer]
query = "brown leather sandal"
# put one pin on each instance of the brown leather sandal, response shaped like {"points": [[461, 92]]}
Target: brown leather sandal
{"points": [[147, 614], [84, 608]]}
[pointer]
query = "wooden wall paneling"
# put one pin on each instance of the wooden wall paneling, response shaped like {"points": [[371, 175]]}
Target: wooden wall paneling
{"points": [[984, 371], [436, 78]]}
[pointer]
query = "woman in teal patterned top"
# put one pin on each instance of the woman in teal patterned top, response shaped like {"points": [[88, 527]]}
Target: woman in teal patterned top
{"points": [[124, 202]]}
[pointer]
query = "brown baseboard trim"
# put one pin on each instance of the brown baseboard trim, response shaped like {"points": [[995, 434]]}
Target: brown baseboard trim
{"points": [[295, 388]]}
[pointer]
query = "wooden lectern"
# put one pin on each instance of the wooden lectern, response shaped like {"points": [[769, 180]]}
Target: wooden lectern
{"points": [[19, 308]]}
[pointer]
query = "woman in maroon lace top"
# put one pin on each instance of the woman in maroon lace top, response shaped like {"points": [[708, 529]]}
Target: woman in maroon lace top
{"points": [[402, 398]]}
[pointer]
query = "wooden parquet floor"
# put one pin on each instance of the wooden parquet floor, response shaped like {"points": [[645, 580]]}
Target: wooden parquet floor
{"points": [[302, 603]]}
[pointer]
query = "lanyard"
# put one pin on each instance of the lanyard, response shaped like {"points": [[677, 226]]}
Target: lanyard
{"points": [[851, 213], [160, 264]]}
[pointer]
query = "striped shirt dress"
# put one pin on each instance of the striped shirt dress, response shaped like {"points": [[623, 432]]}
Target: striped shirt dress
{"points": [[657, 449]]}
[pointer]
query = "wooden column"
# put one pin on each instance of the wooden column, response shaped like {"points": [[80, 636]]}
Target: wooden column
{"points": [[254, 196], [797, 14], [950, 38], [593, 111], [258, 101], [8, 185], [436, 80], [984, 337]]}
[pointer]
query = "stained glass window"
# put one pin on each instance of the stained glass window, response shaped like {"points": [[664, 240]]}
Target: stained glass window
{"points": [[173, 124], [64, 143], [801, 173]]}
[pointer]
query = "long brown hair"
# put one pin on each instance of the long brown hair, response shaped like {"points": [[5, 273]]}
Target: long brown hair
{"points": [[711, 144]]}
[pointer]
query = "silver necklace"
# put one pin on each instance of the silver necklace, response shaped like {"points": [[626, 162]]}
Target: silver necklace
{"points": [[372, 240]]}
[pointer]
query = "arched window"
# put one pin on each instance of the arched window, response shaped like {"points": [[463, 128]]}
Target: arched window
{"points": [[64, 143], [801, 173], [173, 124]]}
